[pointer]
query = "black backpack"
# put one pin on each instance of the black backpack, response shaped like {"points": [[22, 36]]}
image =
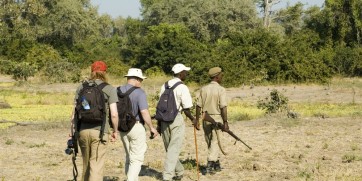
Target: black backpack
{"points": [[166, 109], [91, 104], [124, 106]]}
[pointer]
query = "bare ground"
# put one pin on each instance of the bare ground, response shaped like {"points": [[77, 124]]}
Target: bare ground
{"points": [[304, 149], [307, 148]]}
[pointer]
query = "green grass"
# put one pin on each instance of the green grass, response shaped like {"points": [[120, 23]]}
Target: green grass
{"points": [[327, 109], [239, 111], [31, 105], [35, 106]]}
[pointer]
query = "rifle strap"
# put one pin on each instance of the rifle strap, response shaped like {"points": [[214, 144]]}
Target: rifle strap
{"points": [[101, 134], [219, 142]]}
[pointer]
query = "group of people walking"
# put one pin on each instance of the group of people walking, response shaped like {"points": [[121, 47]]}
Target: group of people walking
{"points": [[93, 144]]}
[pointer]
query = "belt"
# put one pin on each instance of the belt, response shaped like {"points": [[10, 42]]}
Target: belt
{"points": [[212, 114]]}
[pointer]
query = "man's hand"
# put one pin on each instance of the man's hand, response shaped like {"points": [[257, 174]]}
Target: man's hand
{"points": [[114, 136], [226, 126], [196, 124], [154, 133]]}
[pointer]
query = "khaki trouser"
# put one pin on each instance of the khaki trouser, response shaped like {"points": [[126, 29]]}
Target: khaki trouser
{"points": [[173, 135], [134, 143], [211, 138], [93, 154]]}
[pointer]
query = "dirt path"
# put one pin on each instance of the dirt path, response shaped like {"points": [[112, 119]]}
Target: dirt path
{"points": [[305, 149]]}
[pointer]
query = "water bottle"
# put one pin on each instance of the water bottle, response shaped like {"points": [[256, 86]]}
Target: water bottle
{"points": [[85, 103]]}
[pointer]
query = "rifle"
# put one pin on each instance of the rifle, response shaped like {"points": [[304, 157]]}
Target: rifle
{"points": [[208, 118]]}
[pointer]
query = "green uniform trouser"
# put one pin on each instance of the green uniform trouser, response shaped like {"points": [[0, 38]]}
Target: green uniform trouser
{"points": [[173, 134], [211, 138], [93, 154], [134, 143]]}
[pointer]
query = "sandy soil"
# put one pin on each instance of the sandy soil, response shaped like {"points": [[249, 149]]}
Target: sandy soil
{"points": [[304, 149], [283, 149]]}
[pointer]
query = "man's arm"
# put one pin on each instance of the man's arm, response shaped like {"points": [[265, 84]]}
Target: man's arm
{"points": [[147, 118], [114, 118], [224, 117], [193, 120], [198, 113]]}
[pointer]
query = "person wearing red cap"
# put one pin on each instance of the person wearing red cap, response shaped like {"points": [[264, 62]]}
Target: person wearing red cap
{"points": [[91, 142]]}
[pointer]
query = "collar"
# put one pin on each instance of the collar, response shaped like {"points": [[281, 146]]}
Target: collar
{"points": [[176, 79], [214, 82]]}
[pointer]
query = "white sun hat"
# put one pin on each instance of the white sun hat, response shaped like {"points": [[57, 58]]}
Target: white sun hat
{"points": [[179, 68], [135, 72]]}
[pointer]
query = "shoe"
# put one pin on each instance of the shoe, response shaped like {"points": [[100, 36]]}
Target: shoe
{"points": [[178, 177], [217, 166], [210, 167]]}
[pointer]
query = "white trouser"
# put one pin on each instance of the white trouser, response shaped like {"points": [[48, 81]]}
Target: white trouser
{"points": [[134, 143]]}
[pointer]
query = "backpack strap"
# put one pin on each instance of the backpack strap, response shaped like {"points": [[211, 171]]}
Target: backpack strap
{"points": [[100, 87], [174, 86], [128, 92]]}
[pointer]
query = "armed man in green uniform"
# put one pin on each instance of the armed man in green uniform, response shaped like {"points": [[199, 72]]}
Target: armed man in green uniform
{"points": [[212, 99]]}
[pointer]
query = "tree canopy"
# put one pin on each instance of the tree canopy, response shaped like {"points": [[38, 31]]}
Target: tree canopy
{"points": [[293, 44]]}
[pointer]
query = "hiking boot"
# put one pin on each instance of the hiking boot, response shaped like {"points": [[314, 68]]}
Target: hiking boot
{"points": [[217, 166], [178, 177], [210, 167]]}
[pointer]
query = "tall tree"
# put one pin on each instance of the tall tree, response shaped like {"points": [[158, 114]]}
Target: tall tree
{"points": [[266, 6], [69, 22], [290, 18], [208, 20], [340, 22]]}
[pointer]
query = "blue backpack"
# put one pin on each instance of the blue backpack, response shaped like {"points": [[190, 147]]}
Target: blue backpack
{"points": [[166, 109]]}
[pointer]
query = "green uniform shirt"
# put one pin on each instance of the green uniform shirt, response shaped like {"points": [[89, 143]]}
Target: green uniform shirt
{"points": [[212, 98]]}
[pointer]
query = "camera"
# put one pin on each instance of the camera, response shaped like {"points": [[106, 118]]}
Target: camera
{"points": [[70, 147]]}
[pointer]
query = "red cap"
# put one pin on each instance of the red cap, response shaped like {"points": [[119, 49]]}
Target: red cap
{"points": [[99, 66]]}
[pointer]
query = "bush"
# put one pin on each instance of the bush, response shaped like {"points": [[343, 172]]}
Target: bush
{"points": [[277, 102], [62, 71]]}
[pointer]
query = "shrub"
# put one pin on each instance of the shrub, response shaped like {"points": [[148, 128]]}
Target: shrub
{"points": [[276, 102], [61, 71]]}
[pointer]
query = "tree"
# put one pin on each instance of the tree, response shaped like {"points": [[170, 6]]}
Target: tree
{"points": [[208, 20], [290, 18], [69, 22], [340, 22], [168, 44], [266, 6]]}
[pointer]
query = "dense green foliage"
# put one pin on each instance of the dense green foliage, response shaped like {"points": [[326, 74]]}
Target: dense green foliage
{"points": [[57, 39]]}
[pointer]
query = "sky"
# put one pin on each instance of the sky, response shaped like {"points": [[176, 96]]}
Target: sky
{"points": [[131, 8]]}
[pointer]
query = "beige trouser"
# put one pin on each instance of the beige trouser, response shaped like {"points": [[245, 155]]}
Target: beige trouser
{"points": [[173, 135], [211, 138], [134, 143], [93, 154]]}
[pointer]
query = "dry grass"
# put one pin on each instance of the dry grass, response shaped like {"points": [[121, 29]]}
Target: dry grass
{"points": [[324, 143], [306, 149]]}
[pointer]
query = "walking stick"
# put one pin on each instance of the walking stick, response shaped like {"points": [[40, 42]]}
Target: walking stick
{"points": [[197, 159]]}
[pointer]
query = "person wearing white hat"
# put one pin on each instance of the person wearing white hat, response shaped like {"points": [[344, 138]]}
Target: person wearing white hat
{"points": [[134, 141], [173, 132]]}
